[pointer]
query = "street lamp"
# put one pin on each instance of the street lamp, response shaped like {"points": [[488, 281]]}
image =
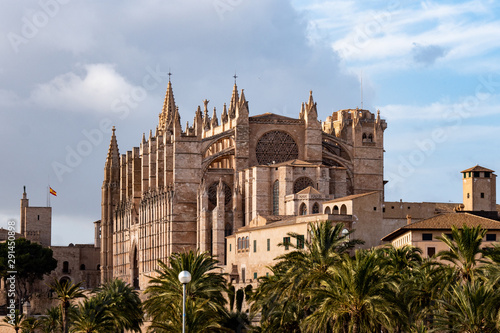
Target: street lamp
{"points": [[184, 278]]}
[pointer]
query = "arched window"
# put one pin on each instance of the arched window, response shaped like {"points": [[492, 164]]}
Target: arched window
{"points": [[65, 268], [343, 210], [303, 209], [64, 280], [370, 137], [239, 243], [98, 267], [82, 267], [276, 198], [247, 243], [327, 210], [364, 136], [335, 209], [315, 209], [302, 183]]}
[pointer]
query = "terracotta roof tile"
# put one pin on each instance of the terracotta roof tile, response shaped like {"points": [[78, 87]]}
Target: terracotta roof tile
{"points": [[445, 222], [477, 168]]}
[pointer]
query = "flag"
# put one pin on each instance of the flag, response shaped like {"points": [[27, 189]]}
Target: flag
{"points": [[51, 190]]}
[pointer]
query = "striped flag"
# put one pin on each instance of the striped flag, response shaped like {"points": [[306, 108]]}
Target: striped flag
{"points": [[51, 190]]}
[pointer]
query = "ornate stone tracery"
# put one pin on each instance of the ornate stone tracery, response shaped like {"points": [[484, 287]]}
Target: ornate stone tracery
{"points": [[302, 183], [276, 147]]}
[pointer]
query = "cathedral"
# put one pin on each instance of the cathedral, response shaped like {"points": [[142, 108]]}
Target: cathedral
{"points": [[195, 187]]}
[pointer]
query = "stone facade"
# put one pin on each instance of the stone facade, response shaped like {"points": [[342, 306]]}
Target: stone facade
{"points": [[192, 187]]}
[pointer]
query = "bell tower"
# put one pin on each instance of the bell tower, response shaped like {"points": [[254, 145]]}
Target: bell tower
{"points": [[479, 189]]}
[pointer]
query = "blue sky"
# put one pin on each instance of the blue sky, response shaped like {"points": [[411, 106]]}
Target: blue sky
{"points": [[70, 69]]}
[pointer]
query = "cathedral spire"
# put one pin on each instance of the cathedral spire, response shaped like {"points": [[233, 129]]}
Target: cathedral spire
{"points": [[113, 157], [224, 115], [168, 111], [215, 121], [234, 101]]}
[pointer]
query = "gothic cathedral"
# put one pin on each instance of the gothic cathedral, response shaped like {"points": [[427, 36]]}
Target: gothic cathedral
{"points": [[191, 188]]}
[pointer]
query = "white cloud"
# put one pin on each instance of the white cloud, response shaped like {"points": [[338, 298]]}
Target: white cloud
{"points": [[95, 90]]}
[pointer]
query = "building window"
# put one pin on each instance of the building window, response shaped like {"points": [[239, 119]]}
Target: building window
{"points": [[482, 195], [254, 245], [286, 242], [426, 237], [302, 183], [431, 251], [303, 209], [65, 268], [335, 209], [238, 246], [82, 267], [449, 236], [247, 243], [476, 173], [300, 241], [38, 217], [343, 210], [255, 275], [243, 274], [468, 195], [491, 237], [328, 210], [230, 247], [315, 209], [276, 198], [486, 174], [374, 208], [269, 244]]}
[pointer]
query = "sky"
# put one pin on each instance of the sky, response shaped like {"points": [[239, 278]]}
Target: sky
{"points": [[71, 69]]}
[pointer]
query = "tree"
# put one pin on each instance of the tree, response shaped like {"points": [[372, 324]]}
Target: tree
{"points": [[469, 307], [356, 294], [31, 262], [92, 316], [51, 321], [66, 292], [123, 305], [15, 321], [464, 251], [30, 325], [281, 298], [204, 299]]}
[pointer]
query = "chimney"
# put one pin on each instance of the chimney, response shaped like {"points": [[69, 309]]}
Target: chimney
{"points": [[408, 219]]}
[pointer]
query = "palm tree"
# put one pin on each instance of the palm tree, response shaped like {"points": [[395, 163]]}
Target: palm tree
{"points": [[92, 317], [282, 296], [52, 320], [66, 292], [204, 300], [469, 307], [354, 295], [14, 321], [30, 325], [464, 251], [123, 305]]}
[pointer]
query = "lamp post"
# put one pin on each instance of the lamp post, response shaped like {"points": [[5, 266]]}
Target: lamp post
{"points": [[184, 278]]}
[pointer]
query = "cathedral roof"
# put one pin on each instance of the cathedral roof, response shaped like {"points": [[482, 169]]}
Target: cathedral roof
{"points": [[350, 197], [477, 168], [445, 222], [309, 190], [269, 115]]}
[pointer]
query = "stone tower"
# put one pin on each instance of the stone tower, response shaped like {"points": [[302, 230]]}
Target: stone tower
{"points": [[110, 197], [479, 189], [36, 222]]}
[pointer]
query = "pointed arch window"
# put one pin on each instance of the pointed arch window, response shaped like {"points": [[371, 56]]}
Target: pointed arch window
{"points": [[328, 210], [315, 209], [303, 209], [276, 197]]}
